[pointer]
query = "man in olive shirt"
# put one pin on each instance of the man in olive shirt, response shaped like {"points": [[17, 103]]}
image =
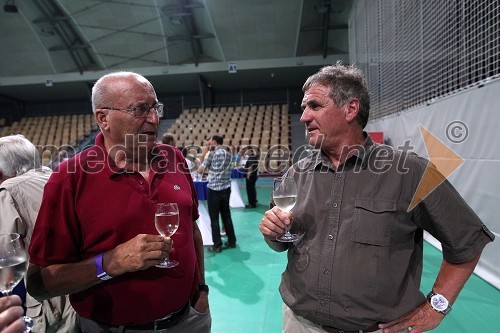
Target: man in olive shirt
{"points": [[358, 265]]}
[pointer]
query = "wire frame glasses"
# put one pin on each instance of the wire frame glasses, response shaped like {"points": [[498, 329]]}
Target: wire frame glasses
{"points": [[141, 111]]}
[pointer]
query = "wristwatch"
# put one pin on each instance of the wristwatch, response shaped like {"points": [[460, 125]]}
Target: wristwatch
{"points": [[439, 303], [203, 287]]}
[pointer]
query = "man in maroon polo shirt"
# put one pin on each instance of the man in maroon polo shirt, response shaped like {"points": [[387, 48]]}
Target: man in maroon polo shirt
{"points": [[95, 237]]}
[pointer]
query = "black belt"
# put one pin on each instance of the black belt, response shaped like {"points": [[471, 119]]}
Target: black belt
{"points": [[162, 323], [330, 329]]}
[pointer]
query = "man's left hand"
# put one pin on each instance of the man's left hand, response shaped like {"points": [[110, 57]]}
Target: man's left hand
{"points": [[421, 319]]}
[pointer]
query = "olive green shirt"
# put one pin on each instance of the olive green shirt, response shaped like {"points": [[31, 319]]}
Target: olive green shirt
{"points": [[360, 259]]}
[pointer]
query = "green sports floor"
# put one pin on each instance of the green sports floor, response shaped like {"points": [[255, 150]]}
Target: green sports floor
{"points": [[244, 282]]}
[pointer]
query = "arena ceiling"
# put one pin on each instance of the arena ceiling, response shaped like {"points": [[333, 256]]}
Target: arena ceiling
{"points": [[56, 49]]}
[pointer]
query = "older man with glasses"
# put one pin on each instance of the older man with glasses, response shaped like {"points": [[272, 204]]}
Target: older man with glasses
{"points": [[95, 237]]}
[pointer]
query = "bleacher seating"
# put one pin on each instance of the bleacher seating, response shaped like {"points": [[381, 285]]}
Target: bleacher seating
{"points": [[52, 132], [264, 126]]}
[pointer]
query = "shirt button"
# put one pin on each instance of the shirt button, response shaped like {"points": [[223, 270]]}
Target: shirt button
{"points": [[339, 175], [325, 271], [335, 205], [323, 303], [141, 182], [330, 237]]}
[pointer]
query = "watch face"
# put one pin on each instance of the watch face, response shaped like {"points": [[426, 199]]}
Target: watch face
{"points": [[439, 303]]}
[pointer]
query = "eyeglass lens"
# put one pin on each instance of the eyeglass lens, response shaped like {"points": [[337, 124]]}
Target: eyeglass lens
{"points": [[143, 110]]}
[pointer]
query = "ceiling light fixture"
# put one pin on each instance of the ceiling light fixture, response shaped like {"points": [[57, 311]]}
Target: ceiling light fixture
{"points": [[10, 7]]}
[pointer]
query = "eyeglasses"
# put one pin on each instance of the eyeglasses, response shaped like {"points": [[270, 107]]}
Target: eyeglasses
{"points": [[141, 111]]}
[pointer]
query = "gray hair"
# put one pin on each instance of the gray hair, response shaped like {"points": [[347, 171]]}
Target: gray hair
{"points": [[17, 156], [345, 82], [101, 90]]}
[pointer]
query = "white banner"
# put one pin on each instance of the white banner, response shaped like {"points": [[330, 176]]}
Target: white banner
{"points": [[467, 123]]}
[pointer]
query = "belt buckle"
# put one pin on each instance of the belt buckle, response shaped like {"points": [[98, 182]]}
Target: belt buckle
{"points": [[155, 323]]}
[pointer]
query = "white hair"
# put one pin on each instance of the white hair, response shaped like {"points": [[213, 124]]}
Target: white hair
{"points": [[101, 89], [17, 156]]}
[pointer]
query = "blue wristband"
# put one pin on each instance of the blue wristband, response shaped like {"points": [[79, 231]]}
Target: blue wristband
{"points": [[101, 274]]}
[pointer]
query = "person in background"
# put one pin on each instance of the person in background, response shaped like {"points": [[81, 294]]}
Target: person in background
{"points": [[358, 265], [252, 173], [11, 312], [22, 179], [192, 166], [235, 157], [62, 156], [95, 236], [168, 139], [217, 160]]}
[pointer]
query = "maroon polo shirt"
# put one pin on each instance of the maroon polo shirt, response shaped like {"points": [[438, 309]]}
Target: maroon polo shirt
{"points": [[90, 206]]}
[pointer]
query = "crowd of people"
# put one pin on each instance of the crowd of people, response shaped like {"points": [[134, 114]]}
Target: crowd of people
{"points": [[357, 266]]}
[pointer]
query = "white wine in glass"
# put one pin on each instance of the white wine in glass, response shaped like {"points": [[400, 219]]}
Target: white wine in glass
{"points": [[13, 267], [166, 223], [284, 196]]}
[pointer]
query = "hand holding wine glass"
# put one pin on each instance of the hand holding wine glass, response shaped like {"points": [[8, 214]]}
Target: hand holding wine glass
{"points": [[284, 196], [11, 312], [167, 222], [12, 267]]}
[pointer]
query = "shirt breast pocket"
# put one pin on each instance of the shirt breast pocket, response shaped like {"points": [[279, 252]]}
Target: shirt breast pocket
{"points": [[372, 221]]}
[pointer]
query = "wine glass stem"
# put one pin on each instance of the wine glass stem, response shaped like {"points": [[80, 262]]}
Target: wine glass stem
{"points": [[28, 324]]}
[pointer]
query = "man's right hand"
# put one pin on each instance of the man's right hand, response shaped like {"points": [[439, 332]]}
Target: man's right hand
{"points": [[139, 253], [273, 223], [10, 314]]}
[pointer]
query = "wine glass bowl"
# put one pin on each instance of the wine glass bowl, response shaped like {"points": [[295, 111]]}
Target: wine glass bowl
{"points": [[13, 265], [284, 196], [166, 223], [12, 262]]}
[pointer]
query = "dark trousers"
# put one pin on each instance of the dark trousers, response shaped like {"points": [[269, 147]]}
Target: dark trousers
{"points": [[251, 191], [218, 203]]}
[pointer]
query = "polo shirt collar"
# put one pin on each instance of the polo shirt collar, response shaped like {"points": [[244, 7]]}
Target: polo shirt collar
{"points": [[159, 159]]}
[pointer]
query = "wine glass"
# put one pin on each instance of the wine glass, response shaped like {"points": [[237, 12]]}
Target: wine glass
{"points": [[167, 222], [13, 267], [285, 196]]}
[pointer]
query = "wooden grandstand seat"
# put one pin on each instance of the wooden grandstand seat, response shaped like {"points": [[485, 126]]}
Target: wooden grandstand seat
{"points": [[240, 125], [52, 131]]}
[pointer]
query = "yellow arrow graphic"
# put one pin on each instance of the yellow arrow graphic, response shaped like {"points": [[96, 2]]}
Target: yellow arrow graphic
{"points": [[443, 162]]}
